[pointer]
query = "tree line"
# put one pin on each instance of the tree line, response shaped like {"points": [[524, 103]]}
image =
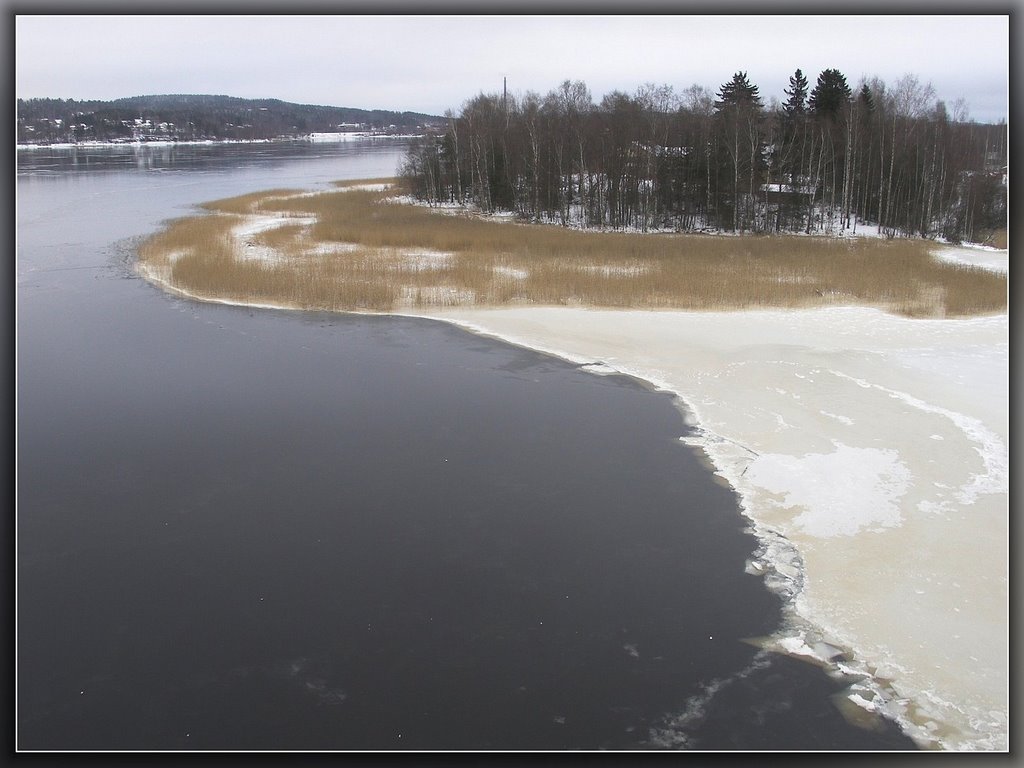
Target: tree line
{"points": [[828, 159], [187, 117]]}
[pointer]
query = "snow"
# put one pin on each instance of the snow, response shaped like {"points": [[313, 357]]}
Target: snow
{"points": [[869, 452], [995, 259], [988, 445], [329, 248], [842, 419], [365, 187], [444, 295], [243, 234], [842, 492], [513, 273], [356, 136], [255, 225], [424, 259], [137, 143], [338, 136]]}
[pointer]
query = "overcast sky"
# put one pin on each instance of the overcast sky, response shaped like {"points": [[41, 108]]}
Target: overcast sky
{"points": [[433, 63]]}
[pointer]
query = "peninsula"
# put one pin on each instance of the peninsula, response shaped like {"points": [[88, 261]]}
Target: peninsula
{"points": [[853, 391]]}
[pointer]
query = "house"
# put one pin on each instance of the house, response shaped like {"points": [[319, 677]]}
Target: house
{"points": [[793, 194]]}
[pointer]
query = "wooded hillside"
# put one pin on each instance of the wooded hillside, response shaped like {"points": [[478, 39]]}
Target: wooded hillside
{"points": [[197, 118]]}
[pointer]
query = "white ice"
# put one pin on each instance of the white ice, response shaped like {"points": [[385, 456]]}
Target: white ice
{"points": [[841, 493], [870, 453]]}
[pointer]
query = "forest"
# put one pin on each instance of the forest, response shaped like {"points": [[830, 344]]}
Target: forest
{"points": [[829, 159]]}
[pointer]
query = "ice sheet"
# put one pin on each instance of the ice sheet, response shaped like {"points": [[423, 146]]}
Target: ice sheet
{"points": [[870, 452]]}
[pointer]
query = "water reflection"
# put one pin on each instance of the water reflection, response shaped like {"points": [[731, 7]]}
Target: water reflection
{"points": [[194, 157]]}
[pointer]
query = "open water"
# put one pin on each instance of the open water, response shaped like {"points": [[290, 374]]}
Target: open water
{"points": [[244, 529]]}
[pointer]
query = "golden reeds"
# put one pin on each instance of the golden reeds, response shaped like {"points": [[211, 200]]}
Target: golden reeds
{"points": [[364, 251]]}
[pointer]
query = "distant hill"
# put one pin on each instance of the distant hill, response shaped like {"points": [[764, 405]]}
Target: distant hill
{"points": [[191, 117]]}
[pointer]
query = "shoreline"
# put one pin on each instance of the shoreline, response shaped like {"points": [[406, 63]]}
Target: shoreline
{"points": [[695, 356], [851, 602], [311, 138]]}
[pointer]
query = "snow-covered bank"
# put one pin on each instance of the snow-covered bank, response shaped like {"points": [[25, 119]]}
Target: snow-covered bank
{"points": [[138, 144], [995, 259], [319, 138], [877, 446]]}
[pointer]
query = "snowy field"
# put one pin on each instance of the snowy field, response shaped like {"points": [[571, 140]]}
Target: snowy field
{"points": [[870, 453]]}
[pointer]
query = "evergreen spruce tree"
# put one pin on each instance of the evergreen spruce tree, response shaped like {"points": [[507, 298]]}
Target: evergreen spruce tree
{"points": [[793, 139], [796, 104], [739, 115], [830, 94], [867, 103], [738, 92]]}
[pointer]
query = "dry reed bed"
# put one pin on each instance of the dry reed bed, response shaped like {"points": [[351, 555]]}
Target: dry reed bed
{"points": [[365, 252]]}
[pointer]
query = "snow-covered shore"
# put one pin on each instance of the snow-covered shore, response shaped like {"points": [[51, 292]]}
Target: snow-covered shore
{"points": [[315, 138], [877, 447], [138, 143]]}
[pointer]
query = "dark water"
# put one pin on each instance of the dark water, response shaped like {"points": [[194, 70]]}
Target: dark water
{"points": [[243, 529]]}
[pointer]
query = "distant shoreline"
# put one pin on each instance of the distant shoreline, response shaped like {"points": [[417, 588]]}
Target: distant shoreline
{"points": [[313, 138]]}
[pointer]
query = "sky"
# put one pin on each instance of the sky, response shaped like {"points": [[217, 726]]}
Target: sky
{"points": [[428, 63]]}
